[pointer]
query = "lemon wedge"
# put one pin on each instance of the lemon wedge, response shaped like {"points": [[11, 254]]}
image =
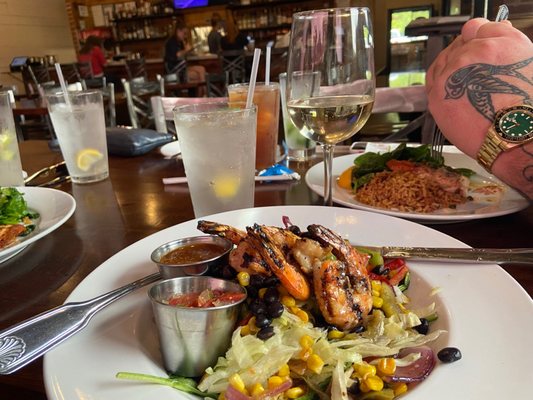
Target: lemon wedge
{"points": [[86, 158], [226, 186]]}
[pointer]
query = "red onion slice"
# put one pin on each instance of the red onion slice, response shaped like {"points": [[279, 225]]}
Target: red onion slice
{"points": [[416, 371]]}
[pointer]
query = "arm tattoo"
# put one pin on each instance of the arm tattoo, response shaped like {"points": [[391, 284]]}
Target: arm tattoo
{"points": [[480, 81]]}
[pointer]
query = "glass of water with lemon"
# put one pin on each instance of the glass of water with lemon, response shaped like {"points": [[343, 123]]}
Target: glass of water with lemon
{"points": [[79, 124], [217, 141]]}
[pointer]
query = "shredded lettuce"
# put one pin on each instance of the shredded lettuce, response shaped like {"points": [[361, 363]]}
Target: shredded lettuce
{"points": [[256, 360]]}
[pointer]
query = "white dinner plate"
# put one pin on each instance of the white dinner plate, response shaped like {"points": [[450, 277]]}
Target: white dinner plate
{"points": [[486, 312], [510, 202], [54, 208], [171, 149]]}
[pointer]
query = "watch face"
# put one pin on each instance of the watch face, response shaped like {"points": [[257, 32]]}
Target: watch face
{"points": [[516, 124]]}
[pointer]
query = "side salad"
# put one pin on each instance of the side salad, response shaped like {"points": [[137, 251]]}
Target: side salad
{"points": [[284, 349], [16, 219]]}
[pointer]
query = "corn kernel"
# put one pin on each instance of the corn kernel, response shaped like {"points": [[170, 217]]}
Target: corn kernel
{"points": [[386, 366], [364, 369], [244, 278], [400, 388], [374, 383], [222, 396], [306, 341], [294, 310], [375, 293], [256, 389], [284, 370], [377, 302], [363, 387], [402, 307], [245, 330], [288, 301], [261, 292], [251, 325], [376, 285], [294, 392], [236, 381], [275, 381], [302, 315], [315, 363], [335, 334]]}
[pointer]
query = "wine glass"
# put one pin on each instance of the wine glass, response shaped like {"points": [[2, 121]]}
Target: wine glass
{"points": [[330, 77]]}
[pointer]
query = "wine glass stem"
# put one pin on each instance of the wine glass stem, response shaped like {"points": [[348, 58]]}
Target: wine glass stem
{"points": [[328, 173]]}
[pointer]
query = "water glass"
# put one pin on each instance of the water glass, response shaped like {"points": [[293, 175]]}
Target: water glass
{"points": [[298, 146], [217, 143], [266, 98], [10, 165], [79, 124]]}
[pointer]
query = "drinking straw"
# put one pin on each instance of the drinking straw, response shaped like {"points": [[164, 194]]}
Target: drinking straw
{"points": [[253, 77], [267, 66], [62, 83]]}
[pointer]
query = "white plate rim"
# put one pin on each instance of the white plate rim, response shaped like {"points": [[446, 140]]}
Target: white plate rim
{"points": [[76, 370], [55, 208], [314, 180]]}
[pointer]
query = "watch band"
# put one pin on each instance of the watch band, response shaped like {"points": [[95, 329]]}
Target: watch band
{"points": [[490, 149]]}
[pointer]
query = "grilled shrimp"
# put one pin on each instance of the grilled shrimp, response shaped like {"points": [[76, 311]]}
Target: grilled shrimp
{"points": [[268, 241], [244, 257], [342, 287]]}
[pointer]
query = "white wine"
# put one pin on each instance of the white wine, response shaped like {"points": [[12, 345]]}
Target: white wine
{"points": [[330, 119]]}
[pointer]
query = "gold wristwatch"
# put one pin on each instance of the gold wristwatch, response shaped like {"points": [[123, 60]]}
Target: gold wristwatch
{"points": [[512, 127]]}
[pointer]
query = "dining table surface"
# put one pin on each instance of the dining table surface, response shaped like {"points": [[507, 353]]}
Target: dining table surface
{"points": [[132, 204]]}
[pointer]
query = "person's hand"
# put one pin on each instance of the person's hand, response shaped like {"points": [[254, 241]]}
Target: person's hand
{"points": [[488, 67]]}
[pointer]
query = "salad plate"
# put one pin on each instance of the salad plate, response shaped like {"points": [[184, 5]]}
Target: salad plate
{"points": [[54, 207], [508, 202], [491, 331]]}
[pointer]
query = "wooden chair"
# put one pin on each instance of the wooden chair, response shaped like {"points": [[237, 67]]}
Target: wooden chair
{"points": [[217, 84], [233, 62], [36, 77], [71, 74], [85, 71], [136, 68]]}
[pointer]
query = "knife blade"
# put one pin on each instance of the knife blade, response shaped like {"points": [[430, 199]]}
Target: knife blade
{"points": [[485, 256]]}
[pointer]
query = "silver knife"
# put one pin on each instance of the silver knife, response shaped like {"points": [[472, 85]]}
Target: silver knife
{"points": [[485, 256]]}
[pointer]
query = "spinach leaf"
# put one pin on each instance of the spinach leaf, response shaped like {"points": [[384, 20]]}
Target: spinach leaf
{"points": [[12, 206]]}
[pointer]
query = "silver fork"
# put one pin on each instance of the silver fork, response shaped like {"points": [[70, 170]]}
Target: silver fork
{"points": [[437, 143]]}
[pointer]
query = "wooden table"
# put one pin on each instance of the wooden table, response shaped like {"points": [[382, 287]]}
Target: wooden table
{"points": [[113, 214]]}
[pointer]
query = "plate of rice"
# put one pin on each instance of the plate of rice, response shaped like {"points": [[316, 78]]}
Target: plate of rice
{"points": [[459, 190]]}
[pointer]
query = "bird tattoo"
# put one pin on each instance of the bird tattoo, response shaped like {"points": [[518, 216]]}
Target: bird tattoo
{"points": [[480, 82]]}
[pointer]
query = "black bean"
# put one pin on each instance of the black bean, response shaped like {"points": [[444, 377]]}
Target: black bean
{"points": [[423, 328], [266, 333], [270, 281], [295, 229], [275, 309], [271, 295], [449, 354], [354, 387], [257, 281], [262, 321], [380, 270], [257, 307], [252, 291], [359, 329]]}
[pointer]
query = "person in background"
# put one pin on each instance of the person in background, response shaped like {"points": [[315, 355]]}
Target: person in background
{"points": [[214, 39], [92, 52], [487, 69], [177, 47]]}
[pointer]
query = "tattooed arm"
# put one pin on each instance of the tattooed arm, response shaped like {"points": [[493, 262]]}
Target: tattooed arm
{"points": [[488, 67]]}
